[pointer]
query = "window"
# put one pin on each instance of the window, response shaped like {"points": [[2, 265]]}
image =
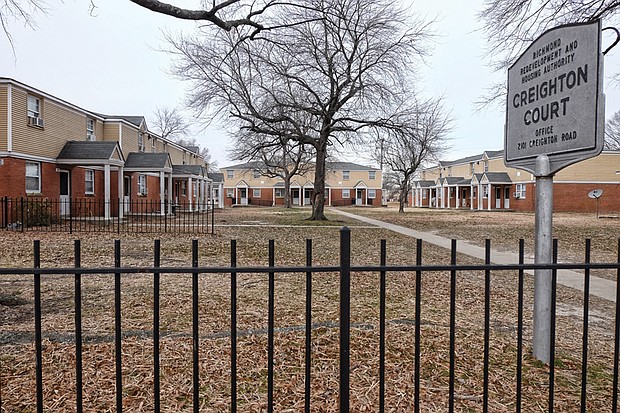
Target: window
{"points": [[424, 194], [345, 175], [90, 130], [520, 191], [475, 192], [256, 193], [346, 193], [256, 173], [372, 175], [141, 142], [34, 107], [194, 189], [229, 192], [33, 177], [279, 192], [372, 193], [142, 190], [485, 191], [449, 171], [89, 181], [183, 188], [472, 168], [230, 174], [153, 145], [486, 166], [165, 147]]}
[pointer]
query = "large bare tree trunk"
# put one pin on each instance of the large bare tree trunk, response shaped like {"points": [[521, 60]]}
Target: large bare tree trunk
{"points": [[402, 196], [287, 191], [318, 207]]}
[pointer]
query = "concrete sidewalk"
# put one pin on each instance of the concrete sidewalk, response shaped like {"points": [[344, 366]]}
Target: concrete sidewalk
{"points": [[599, 287]]}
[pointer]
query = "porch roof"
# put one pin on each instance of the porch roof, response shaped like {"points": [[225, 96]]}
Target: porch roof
{"points": [[91, 153], [452, 180], [360, 184], [425, 184], [148, 162], [496, 178], [216, 176], [187, 171]]}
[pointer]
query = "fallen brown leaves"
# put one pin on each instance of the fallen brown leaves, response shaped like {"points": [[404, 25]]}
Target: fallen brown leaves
{"points": [[289, 229]]}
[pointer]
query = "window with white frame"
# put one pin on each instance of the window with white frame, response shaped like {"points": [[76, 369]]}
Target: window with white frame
{"points": [[486, 166], [230, 192], [346, 193], [372, 193], [34, 107], [89, 181], [33, 177], [279, 192], [424, 191], [256, 193], [153, 145], [449, 171], [485, 191], [520, 191], [142, 190], [472, 168], [140, 142], [183, 188], [230, 174], [90, 129], [372, 175], [194, 189], [345, 175]]}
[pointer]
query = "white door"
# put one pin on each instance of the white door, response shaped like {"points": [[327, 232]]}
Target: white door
{"points": [[126, 194], [507, 197], [65, 202], [307, 195], [243, 194], [295, 196], [498, 197], [358, 197]]}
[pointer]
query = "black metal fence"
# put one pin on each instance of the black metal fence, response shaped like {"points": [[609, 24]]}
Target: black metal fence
{"points": [[96, 215], [345, 271]]}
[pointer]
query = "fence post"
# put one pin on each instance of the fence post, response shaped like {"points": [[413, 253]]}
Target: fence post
{"points": [[5, 210], [23, 216], [345, 316]]}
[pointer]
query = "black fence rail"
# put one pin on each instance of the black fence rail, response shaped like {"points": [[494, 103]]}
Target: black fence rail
{"points": [[96, 215], [346, 272]]}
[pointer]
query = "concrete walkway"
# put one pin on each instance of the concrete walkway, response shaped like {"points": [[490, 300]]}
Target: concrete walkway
{"points": [[599, 287]]}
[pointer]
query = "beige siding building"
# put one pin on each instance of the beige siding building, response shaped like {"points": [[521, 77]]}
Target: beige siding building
{"points": [[52, 149], [483, 182]]}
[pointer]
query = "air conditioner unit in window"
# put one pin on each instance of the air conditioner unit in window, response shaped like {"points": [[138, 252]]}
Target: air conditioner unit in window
{"points": [[35, 121], [91, 137], [516, 195]]}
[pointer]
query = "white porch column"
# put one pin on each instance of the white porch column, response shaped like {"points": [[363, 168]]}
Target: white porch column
{"points": [[443, 197], [121, 191], [106, 196], [480, 193], [221, 195], [162, 201], [449, 198], [190, 193], [458, 197], [170, 201], [489, 198], [273, 196], [471, 197]]}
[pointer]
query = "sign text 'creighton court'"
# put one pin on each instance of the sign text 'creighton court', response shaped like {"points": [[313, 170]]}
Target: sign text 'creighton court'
{"points": [[554, 98]]}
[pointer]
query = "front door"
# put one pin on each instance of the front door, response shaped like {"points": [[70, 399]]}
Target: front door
{"points": [[243, 196], [295, 196], [126, 194], [498, 197], [65, 193], [307, 196], [359, 197], [507, 197]]}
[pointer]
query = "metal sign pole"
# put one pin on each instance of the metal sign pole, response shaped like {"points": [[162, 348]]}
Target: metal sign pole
{"points": [[543, 246]]}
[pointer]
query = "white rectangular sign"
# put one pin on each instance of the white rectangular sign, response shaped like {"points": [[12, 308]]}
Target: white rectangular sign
{"points": [[555, 103]]}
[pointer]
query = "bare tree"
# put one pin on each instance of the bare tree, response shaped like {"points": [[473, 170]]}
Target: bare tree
{"points": [[21, 11], [170, 124], [515, 24], [343, 70], [423, 138], [612, 133], [274, 157]]}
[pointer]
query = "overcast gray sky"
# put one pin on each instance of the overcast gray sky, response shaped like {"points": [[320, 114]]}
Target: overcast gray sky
{"points": [[111, 63]]}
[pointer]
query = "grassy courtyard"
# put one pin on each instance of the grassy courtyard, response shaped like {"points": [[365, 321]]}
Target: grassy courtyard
{"points": [[253, 228]]}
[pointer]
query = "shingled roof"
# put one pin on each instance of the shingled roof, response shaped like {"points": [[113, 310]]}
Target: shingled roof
{"points": [[187, 170], [89, 150], [147, 160]]}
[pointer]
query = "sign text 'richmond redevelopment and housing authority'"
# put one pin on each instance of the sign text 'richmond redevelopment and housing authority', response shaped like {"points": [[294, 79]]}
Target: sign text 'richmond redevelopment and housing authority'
{"points": [[554, 97]]}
